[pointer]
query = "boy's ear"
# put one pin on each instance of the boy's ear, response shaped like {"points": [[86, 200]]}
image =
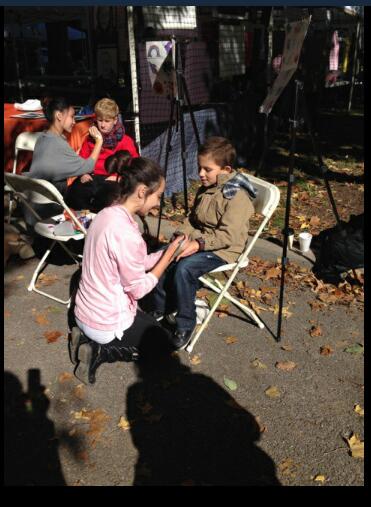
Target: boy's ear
{"points": [[227, 168]]}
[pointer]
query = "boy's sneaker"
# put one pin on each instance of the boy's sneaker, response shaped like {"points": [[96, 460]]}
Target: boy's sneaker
{"points": [[157, 315], [180, 339]]}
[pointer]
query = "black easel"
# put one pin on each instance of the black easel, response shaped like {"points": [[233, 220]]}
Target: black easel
{"points": [[176, 118], [295, 123]]}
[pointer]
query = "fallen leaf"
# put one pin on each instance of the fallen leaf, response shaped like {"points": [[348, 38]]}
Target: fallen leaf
{"points": [[46, 279], [231, 384], [315, 331], [222, 315], [288, 467], [272, 273], [357, 348], [286, 365], [124, 424], [201, 293], [258, 364], [195, 359], [314, 221], [52, 336], [325, 350], [356, 446], [82, 456], [359, 410], [41, 319], [273, 392], [82, 414], [285, 311], [65, 377], [319, 478], [230, 340], [80, 391], [288, 348]]}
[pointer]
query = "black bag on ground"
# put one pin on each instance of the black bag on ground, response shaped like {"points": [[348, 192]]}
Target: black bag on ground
{"points": [[339, 249]]}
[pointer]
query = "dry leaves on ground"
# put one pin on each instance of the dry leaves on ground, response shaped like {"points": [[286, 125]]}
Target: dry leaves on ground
{"points": [[359, 410], [124, 424], [258, 364], [65, 377], [315, 331], [41, 319], [230, 340], [326, 350], [356, 446], [286, 365], [273, 392], [195, 359], [52, 336]]}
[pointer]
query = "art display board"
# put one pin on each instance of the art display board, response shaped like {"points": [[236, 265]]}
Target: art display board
{"points": [[294, 38], [159, 56]]}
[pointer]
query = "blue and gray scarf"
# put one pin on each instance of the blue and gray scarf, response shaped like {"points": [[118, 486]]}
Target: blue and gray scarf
{"points": [[239, 181]]}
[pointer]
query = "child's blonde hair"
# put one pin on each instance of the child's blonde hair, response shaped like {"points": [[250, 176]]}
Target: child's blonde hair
{"points": [[106, 108]]}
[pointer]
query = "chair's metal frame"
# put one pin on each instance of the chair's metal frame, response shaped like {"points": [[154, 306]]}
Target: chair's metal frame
{"points": [[29, 190], [264, 204], [25, 141]]}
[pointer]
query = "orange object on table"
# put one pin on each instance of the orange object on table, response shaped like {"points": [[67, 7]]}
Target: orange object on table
{"points": [[15, 126]]}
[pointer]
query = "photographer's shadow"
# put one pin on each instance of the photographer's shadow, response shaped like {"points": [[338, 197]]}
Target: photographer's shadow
{"points": [[190, 431]]}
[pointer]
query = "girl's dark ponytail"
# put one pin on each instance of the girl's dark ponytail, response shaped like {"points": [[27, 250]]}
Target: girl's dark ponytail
{"points": [[140, 171], [51, 105]]}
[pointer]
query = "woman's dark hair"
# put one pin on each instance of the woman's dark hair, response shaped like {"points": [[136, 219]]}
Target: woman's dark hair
{"points": [[118, 162], [140, 171], [51, 105]]}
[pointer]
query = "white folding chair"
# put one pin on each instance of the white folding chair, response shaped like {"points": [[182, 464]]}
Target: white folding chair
{"points": [[265, 203], [25, 141], [32, 192]]}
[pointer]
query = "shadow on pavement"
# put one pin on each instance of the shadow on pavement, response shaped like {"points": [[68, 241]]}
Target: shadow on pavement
{"points": [[31, 444], [190, 431]]}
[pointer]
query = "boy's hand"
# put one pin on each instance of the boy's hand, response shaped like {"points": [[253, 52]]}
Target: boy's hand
{"points": [[191, 247]]}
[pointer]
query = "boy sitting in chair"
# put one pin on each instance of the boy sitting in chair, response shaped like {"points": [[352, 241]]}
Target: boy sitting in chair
{"points": [[216, 233]]}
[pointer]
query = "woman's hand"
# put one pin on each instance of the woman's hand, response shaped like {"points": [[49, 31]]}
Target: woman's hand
{"points": [[171, 249], [85, 178], [190, 247], [95, 134]]}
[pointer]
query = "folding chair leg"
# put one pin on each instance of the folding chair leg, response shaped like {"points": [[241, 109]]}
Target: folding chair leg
{"points": [[233, 300], [36, 273]]}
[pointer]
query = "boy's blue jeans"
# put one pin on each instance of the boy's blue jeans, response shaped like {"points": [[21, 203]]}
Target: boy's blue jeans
{"points": [[176, 289]]}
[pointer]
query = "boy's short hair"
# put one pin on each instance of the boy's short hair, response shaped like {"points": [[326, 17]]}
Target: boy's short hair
{"points": [[106, 108], [220, 149]]}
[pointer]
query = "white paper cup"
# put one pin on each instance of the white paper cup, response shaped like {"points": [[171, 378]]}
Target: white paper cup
{"points": [[304, 241]]}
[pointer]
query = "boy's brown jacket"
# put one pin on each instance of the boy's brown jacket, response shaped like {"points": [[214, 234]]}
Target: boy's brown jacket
{"points": [[222, 223]]}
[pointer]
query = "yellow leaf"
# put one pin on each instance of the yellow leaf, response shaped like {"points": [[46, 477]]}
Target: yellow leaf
{"points": [[124, 424], [196, 359], [319, 478], [273, 392], [356, 446], [81, 415], [304, 226], [230, 339], [258, 364], [359, 410]]}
